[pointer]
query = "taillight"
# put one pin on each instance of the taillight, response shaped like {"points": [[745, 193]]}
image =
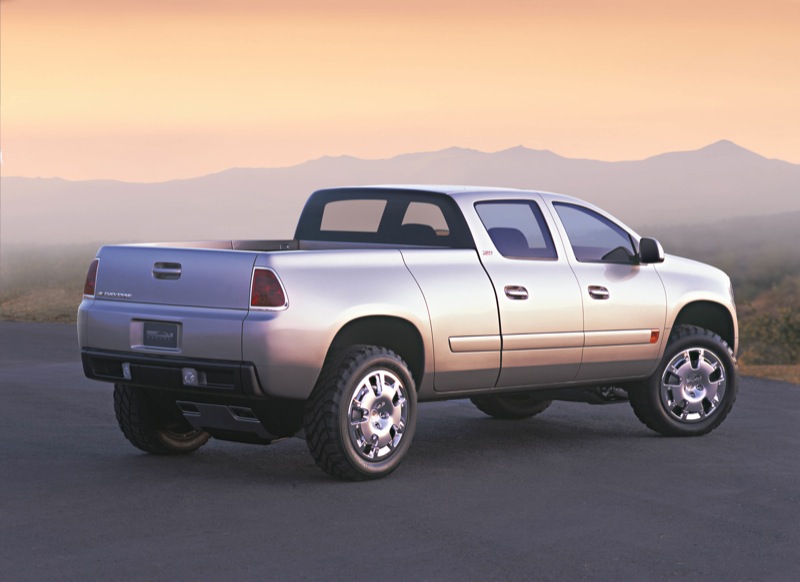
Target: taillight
{"points": [[266, 290], [91, 279]]}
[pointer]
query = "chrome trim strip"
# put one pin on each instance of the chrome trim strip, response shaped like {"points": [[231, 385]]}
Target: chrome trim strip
{"points": [[624, 337], [475, 343], [541, 341]]}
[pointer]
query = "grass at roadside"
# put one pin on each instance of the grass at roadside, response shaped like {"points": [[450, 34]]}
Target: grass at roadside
{"points": [[24, 268], [43, 305], [789, 374], [43, 284]]}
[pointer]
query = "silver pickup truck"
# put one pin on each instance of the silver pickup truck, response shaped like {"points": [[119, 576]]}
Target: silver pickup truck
{"points": [[393, 295]]}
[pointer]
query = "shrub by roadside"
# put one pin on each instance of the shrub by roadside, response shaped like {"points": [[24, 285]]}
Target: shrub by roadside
{"points": [[44, 305], [43, 284], [771, 339]]}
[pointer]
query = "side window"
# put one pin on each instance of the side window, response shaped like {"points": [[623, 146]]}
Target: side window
{"points": [[517, 229], [423, 224], [353, 215], [427, 214], [593, 237]]}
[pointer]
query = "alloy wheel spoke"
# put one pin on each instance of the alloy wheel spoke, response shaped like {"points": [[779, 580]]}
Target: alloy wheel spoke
{"points": [[378, 413], [701, 384], [358, 415]]}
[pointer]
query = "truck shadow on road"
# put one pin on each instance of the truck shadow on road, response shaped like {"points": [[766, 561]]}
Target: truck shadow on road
{"points": [[449, 436]]}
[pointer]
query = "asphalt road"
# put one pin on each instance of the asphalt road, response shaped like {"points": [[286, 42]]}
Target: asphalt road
{"points": [[580, 493]]}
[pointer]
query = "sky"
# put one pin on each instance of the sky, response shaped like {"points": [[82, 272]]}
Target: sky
{"points": [[156, 90]]}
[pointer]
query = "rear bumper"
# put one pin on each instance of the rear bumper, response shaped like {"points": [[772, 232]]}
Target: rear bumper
{"points": [[214, 377], [224, 398]]}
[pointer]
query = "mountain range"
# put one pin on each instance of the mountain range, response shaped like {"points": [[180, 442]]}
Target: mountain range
{"points": [[682, 189]]}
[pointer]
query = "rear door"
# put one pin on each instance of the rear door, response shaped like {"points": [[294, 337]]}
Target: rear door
{"points": [[538, 297]]}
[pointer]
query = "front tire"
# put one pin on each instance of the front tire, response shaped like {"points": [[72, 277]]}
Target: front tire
{"points": [[694, 387], [152, 428], [513, 406], [361, 415]]}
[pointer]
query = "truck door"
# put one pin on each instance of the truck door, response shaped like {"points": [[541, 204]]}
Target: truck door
{"points": [[624, 302], [538, 297]]}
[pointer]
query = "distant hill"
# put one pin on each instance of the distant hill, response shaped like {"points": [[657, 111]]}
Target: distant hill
{"points": [[757, 252], [682, 189]]}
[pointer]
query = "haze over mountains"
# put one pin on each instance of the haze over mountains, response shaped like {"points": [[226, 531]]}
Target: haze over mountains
{"points": [[720, 181]]}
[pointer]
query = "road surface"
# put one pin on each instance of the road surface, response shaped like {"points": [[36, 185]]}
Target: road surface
{"points": [[579, 493]]}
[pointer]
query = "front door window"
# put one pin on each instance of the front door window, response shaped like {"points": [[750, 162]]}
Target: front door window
{"points": [[593, 237]]}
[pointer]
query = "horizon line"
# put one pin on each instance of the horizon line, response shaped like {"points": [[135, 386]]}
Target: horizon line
{"points": [[720, 143]]}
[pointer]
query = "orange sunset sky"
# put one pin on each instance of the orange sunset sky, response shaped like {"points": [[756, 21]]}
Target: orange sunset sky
{"points": [[154, 90]]}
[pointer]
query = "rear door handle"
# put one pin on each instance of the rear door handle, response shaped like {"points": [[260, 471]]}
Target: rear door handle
{"points": [[598, 292], [516, 292]]}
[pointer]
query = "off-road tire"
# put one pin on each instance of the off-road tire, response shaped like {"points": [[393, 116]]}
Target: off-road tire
{"points": [[344, 413], [697, 379], [512, 406], [152, 428]]}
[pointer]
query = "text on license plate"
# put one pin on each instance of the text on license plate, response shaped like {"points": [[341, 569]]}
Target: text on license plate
{"points": [[160, 335]]}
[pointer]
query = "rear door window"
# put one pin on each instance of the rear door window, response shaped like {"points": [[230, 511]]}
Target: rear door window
{"points": [[517, 229]]}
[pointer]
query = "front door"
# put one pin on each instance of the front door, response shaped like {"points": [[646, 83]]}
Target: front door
{"points": [[624, 303]]}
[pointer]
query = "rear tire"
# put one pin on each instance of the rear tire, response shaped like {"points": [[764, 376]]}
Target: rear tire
{"points": [[152, 428], [694, 387], [361, 415], [513, 406]]}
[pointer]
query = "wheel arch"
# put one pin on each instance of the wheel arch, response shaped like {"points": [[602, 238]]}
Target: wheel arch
{"points": [[397, 334], [711, 316]]}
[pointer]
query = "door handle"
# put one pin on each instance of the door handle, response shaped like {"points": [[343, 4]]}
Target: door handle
{"points": [[516, 292], [169, 271], [598, 292]]}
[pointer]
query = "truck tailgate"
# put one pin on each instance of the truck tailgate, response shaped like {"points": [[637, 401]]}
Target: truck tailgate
{"points": [[173, 276], [187, 303]]}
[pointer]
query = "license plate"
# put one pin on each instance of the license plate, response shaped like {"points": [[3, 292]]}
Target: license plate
{"points": [[160, 335]]}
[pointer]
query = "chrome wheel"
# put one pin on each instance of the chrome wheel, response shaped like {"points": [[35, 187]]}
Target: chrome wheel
{"points": [[378, 414], [359, 420], [693, 385]]}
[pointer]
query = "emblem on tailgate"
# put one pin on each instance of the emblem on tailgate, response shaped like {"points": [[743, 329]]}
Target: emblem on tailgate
{"points": [[114, 294]]}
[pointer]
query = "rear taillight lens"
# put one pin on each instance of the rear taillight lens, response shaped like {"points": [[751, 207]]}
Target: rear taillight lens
{"points": [[91, 279], [266, 290]]}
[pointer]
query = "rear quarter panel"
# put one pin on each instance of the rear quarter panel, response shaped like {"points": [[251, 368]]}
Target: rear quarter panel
{"points": [[326, 290]]}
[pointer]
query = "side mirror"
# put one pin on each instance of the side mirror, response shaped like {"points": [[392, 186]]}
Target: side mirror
{"points": [[650, 251]]}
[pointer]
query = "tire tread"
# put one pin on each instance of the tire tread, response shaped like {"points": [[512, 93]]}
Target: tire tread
{"points": [[137, 419], [642, 397], [322, 407]]}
